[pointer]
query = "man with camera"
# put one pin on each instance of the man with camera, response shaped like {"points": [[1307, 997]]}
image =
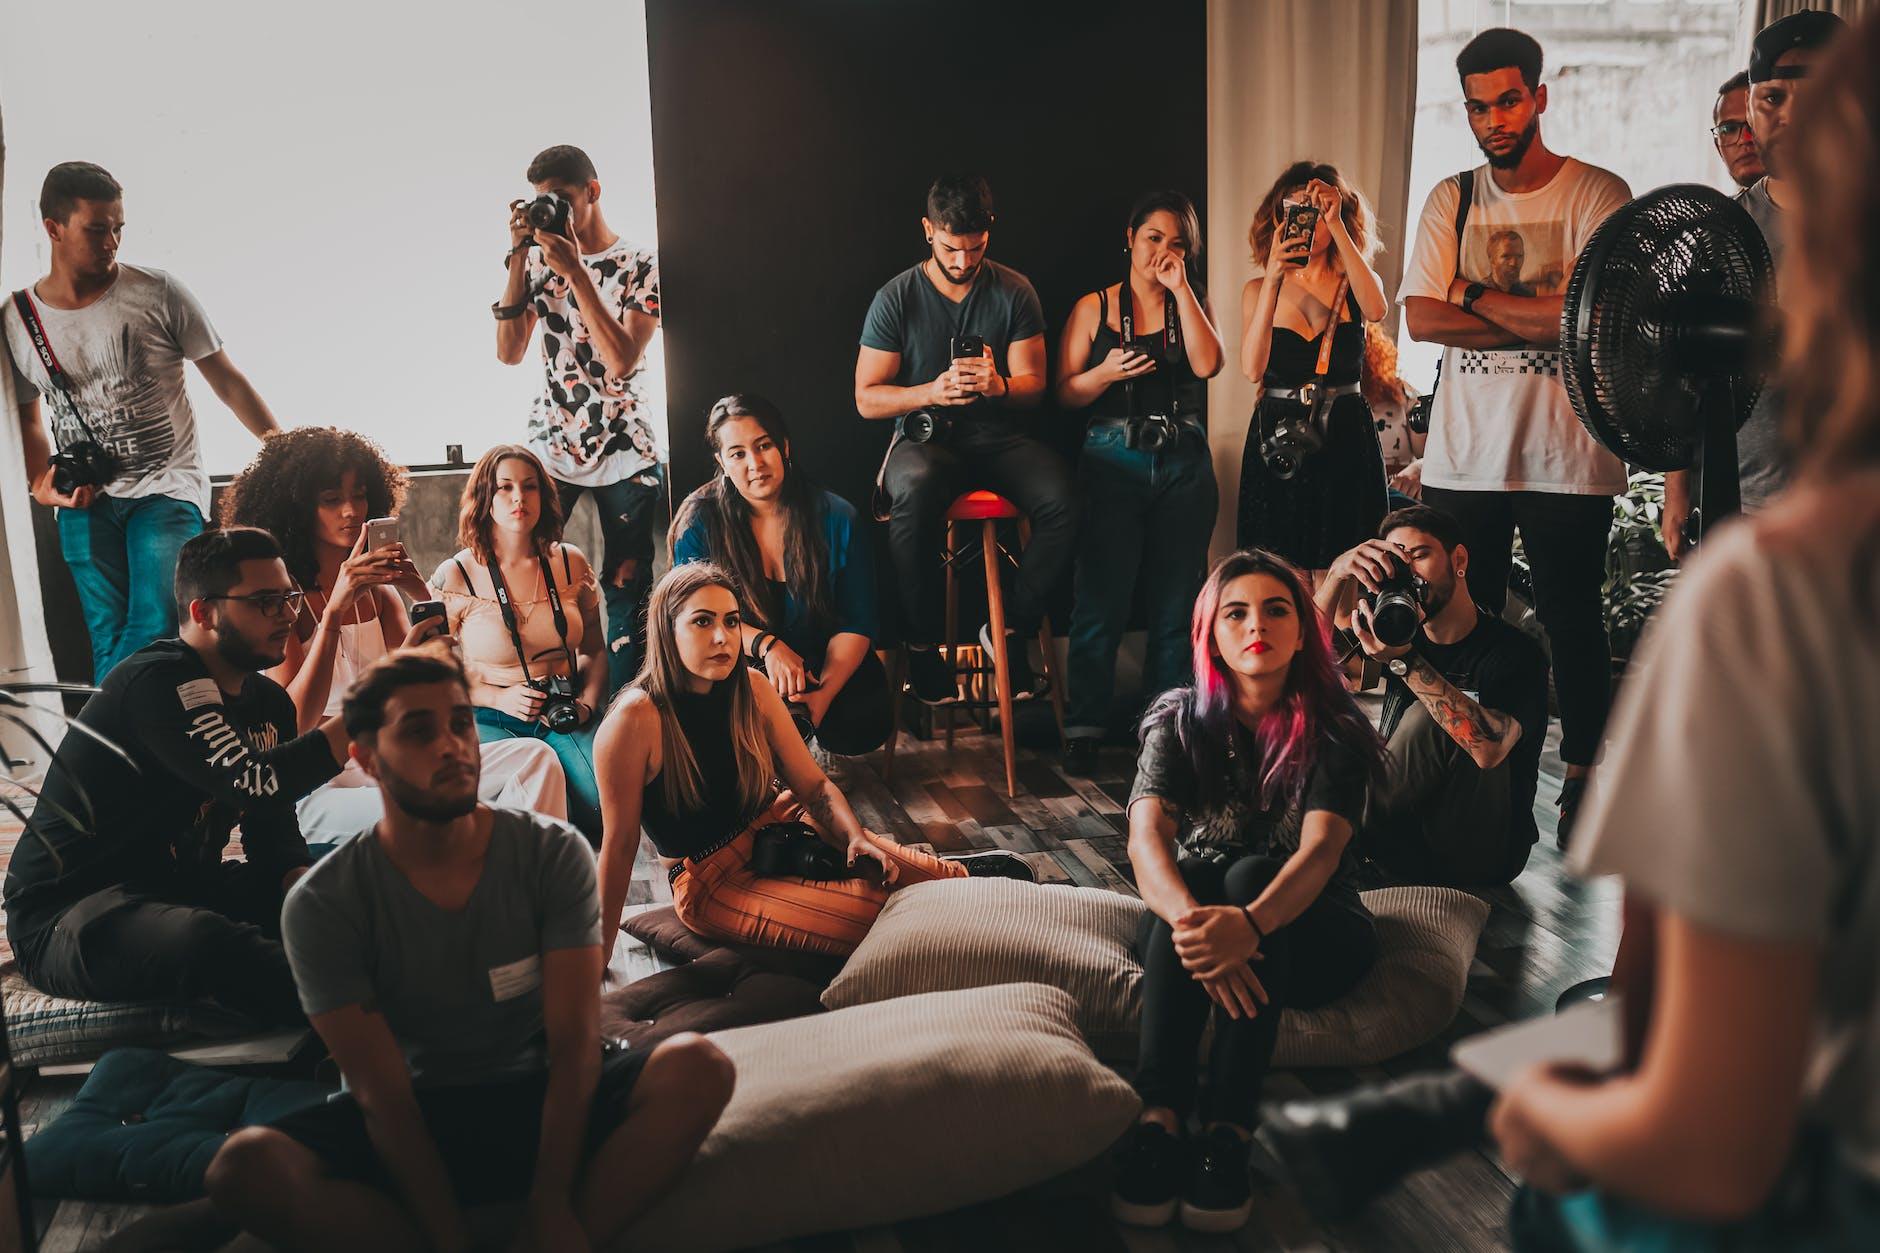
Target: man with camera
{"points": [[118, 891], [950, 349], [1505, 449], [596, 298], [1465, 706], [103, 343]]}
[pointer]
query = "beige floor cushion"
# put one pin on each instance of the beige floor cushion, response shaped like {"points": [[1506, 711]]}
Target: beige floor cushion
{"points": [[960, 933], [883, 1112]]}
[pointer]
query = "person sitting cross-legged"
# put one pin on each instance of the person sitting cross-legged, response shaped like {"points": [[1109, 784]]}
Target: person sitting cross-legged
{"points": [[449, 960]]}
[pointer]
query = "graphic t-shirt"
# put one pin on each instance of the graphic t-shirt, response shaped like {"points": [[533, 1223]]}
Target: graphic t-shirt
{"points": [[1762, 460], [200, 761], [1502, 421], [461, 989], [589, 428], [123, 358], [909, 316]]}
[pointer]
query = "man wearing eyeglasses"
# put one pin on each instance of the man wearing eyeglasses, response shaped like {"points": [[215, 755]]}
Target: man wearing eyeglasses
{"points": [[118, 891], [1729, 126]]}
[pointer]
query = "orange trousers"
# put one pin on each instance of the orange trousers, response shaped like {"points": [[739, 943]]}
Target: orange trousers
{"points": [[722, 898]]}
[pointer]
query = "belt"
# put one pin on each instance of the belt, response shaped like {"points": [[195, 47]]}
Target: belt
{"points": [[1107, 424], [1310, 392]]}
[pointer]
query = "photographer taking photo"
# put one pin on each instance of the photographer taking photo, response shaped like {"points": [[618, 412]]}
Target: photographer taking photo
{"points": [[949, 348], [1465, 706], [1133, 357]]}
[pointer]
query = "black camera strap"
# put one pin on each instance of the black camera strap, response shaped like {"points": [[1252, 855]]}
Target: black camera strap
{"points": [[1465, 197], [509, 609], [42, 344], [1126, 333]]}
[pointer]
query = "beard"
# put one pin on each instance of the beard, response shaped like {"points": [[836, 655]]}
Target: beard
{"points": [[963, 279], [423, 803], [1437, 593], [242, 655], [1522, 143]]}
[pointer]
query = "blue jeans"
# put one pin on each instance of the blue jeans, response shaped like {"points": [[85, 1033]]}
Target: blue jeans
{"points": [[575, 749], [633, 515], [1147, 521], [122, 554]]}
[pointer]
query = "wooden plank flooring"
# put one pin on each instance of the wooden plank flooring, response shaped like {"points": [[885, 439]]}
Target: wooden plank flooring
{"points": [[1546, 932]]}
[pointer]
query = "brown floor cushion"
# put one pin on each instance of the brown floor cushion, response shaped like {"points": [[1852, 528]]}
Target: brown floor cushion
{"points": [[718, 991]]}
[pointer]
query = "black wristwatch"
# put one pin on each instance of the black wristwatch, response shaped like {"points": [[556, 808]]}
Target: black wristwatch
{"points": [[1471, 294], [1399, 666]]}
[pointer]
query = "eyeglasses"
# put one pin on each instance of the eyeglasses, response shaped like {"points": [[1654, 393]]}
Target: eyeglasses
{"points": [[273, 604], [1731, 132]]}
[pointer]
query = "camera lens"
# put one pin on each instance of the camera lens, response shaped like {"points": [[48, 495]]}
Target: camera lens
{"points": [[918, 427], [1394, 618]]}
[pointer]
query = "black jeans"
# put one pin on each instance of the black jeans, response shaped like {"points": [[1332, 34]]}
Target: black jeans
{"points": [[633, 514], [1316, 958], [1565, 538], [924, 479], [213, 935], [1443, 819], [856, 721]]}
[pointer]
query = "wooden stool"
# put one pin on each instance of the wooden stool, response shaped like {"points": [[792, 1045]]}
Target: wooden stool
{"points": [[987, 509]]}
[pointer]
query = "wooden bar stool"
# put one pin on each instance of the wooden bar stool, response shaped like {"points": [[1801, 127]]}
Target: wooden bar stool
{"points": [[988, 509]]}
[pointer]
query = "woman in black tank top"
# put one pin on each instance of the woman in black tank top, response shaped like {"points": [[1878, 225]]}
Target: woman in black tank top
{"points": [[1303, 328], [700, 751], [1133, 352]]}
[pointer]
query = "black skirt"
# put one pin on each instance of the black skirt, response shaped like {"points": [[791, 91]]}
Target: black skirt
{"points": [[1332, 504]]}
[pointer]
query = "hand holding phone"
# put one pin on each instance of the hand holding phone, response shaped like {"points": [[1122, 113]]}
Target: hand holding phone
{"points": [[1300, 223], [380, 532]]}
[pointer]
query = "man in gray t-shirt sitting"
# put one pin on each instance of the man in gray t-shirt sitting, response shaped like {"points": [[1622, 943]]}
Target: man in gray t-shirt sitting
{"points": [[450, 959]]}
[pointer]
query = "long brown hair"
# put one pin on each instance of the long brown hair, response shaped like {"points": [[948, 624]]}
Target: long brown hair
{"points": [[1356, 210], [1831, 280], [663, 673], [473, 509]]}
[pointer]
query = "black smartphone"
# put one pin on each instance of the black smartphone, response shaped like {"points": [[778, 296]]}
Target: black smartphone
{"points": [[968, 344], [426, 609], [1301, 222]]}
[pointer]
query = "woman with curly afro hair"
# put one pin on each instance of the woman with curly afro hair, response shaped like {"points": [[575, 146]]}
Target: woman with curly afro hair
{"points": [[314, 488]]}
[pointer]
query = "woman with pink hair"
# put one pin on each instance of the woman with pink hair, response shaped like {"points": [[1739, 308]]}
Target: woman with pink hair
{"points": [[1247, 789]]}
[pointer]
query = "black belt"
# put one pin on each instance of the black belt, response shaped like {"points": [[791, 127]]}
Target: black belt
{"points": [[1309, 393]]}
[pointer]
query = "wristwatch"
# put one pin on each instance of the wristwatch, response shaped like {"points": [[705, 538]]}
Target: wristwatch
{"points": [[1471, 294], [1399, 666]]}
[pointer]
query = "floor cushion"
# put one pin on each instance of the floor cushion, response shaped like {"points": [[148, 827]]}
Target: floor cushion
{"points": [[883, 1112], [961, 933], [144, 1127], [718, 991], [660, 930], [47, 1030]]}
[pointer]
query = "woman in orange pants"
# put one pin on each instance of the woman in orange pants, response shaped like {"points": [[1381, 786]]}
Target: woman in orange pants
{"points": [[692, 751]]}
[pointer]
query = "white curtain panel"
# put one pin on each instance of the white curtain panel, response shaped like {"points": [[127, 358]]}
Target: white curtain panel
{"points": [[1330, 80]]}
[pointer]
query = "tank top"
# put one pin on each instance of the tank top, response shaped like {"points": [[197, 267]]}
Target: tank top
{"points": [[1154, 392], [705, 717], [360, 644], [1293, 359]]}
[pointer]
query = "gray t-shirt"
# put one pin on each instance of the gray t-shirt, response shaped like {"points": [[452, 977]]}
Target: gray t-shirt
{"points": [[1741, 791], [462, 989], [123, 357], [909, 316], [1762, 460]]}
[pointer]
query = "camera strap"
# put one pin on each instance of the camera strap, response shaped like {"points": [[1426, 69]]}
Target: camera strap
{"points": [[509, 609], [1126, 332], [1465, 197], [42, 344]]}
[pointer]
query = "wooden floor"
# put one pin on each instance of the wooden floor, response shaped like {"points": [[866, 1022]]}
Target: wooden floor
{"points": [[1545, 932]]}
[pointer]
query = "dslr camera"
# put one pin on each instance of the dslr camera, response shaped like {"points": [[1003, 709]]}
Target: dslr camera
{"points": [[923, 426], [82, 463], [549, 212], [1155, 433], [794, 850], [560, 711], [1397, 606], [1294, 437]]}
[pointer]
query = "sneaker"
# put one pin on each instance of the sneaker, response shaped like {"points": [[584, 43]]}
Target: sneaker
{"points": [[1080, 755], [1219, 1196], [1150, 1166], [996, 865], [930, 677], [1025, 684], [1572, 792]]}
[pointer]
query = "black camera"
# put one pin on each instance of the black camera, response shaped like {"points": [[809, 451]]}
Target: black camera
{"points": [[967, 344], [549, 212], [1294, 437], [560, 711], [923, 426], [1155, 433], [1418, 419], [82, 463], [1397, 606], [795, 850]]}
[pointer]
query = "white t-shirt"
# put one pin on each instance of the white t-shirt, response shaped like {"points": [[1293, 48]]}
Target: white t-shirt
{"points": [[1742, 787], [123, 357], [1502, 422], [588, 428]]}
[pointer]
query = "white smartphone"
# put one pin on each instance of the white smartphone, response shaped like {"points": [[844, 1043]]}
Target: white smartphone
{"points": [[1591, 1035], [380, 532]]}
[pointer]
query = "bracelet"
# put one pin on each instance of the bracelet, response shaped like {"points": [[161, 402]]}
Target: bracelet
{"points": [[766, 652], [756, 651], [1259, 936], [505, 312]]}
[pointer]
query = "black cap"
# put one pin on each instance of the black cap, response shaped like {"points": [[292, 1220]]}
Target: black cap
{"points": [[1810, 28]]}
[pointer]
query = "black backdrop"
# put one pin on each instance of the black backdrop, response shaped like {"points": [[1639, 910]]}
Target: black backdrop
{"points": [[792, 148]]}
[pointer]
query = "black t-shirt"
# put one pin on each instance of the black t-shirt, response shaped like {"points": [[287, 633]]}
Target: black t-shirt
{"points": [[909, 316], [201, 761], [1241, 825], [1500, 669]]}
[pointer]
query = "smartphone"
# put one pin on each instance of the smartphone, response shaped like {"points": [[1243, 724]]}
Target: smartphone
{"points": [[1301, 222], [425, 609], [380, 532], [968, 345]]}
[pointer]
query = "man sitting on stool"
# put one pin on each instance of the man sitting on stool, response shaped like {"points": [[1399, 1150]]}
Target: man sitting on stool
{"points": [[1465, 712], [118, 890]]}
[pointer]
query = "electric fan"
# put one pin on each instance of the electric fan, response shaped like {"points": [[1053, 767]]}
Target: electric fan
{"points": [[1664, 334]]}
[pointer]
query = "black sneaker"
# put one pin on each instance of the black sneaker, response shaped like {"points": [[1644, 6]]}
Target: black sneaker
{"points": [[1572, 792], [1219, 1196], [1080, 755], [1150, 1167], [996, 865], [930, 677], [1018, 669]]}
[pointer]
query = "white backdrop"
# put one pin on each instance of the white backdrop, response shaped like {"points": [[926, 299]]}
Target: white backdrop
{"points": [[331, 181]]}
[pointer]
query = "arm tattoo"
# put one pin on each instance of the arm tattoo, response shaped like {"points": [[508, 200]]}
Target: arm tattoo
{"points": [[1467, 723], [820, 809]]}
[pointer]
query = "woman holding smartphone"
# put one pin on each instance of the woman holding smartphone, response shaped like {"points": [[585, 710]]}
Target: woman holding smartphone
{"points": [[1312, 475]]}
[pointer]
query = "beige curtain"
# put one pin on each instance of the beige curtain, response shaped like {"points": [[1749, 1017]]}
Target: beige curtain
{"points": [[1333, 80]]}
